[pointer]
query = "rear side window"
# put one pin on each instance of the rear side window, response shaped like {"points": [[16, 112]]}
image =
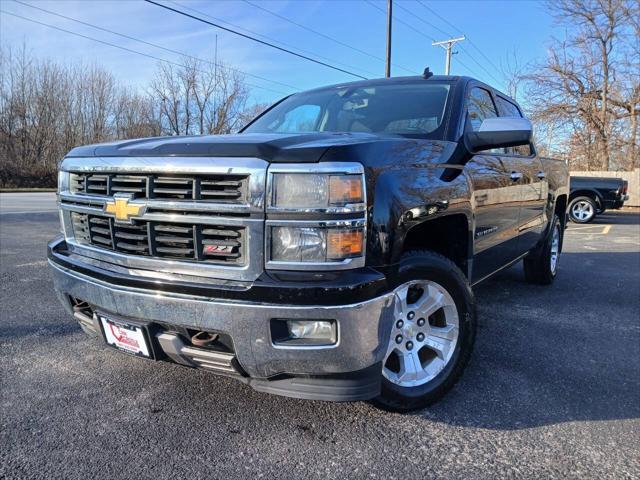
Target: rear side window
{"points": [[507, 109], [480, 107]]}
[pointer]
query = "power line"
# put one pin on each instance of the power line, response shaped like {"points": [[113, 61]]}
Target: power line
{"points": [[411, 27], [155, 45], [423, 20], [433, 40], [180, 12], [323, 35], [124, 48], [457, 29], [460, 46], [294, 47], [336, 62]]}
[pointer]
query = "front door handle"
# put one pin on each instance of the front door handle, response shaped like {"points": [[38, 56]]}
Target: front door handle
{"points": [[541, 175], [516, 176]]}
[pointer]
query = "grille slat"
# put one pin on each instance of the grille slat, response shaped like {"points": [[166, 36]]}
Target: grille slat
{"points": [[219, 193], [172, 229], [220, 188], [196, 243], [117, 189], [173, 191], [130, 236], [129, 184], [226, 243], [133, 247], [222, 233], [95, 184], [175, 251], [173, 240], [102, 240], [103, 231]]}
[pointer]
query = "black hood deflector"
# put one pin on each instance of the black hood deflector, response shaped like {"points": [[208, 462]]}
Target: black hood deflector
{"points": [[276, 148]]}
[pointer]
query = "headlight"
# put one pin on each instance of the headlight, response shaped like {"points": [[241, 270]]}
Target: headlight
{"points": [[63, 181], [316, 244], [316, 216], [317, 191]]}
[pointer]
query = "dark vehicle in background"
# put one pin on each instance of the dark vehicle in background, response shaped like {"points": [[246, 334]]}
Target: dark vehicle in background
{"points": [[591, 196], [327, 251]]}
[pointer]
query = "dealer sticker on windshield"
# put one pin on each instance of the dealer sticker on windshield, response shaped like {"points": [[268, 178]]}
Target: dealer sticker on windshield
{"points": [[125, 336]]}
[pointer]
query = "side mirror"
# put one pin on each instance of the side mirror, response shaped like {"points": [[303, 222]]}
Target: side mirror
{"points": [[499, 132]]}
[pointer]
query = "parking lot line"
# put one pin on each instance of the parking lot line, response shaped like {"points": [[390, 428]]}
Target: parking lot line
{"points": [[589, 230]]}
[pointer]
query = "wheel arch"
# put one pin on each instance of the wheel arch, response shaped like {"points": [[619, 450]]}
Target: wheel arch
{"points": [[585, 192], [448, 235]]}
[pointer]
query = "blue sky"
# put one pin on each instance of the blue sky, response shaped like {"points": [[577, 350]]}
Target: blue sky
{"points": [[496, 28]]}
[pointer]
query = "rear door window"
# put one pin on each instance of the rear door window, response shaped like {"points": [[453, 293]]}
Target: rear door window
{"points": [[509, 109], [506, 108]]}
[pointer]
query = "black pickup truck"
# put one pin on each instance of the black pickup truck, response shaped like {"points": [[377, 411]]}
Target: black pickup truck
{"points": [[591, 196], [327, 251]]}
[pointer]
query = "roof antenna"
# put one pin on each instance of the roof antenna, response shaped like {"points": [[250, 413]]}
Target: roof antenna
{"points": [[427, 73]]}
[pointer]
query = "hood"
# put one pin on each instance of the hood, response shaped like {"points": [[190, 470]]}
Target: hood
{"points": [[276, 148]]}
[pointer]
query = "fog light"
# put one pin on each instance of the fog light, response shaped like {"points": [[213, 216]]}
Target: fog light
{"points": [[303, 332], [310, 329]]}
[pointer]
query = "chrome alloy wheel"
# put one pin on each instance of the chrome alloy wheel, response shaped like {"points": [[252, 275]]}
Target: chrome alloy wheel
{"points": [[582, 210], [555, 248], [424, 334]]}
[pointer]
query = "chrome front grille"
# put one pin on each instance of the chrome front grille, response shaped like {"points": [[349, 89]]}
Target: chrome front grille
{"points": [[212, 188], [200, 216]]}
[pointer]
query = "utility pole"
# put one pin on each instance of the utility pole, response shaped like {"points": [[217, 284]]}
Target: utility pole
{"points": [[447, 45], [389, 21]]}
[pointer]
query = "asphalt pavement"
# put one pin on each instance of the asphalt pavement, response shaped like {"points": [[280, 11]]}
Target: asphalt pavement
{"points": [[552, 390]]}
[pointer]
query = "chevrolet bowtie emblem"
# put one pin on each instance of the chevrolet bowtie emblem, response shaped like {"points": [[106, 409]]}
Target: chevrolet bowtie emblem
{"points": [[122, 209]]}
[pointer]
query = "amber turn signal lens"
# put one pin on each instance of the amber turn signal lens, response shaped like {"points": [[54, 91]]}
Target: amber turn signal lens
{"points": [[344, 243], [345, 189]]}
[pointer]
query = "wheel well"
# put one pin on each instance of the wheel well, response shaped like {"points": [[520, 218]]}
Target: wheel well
{"points": [[561, 208], [586, 193], [448, 236]]}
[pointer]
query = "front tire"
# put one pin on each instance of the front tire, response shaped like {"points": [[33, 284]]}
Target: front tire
{"points": [[582, 209], [433, 333], [541, 268]]}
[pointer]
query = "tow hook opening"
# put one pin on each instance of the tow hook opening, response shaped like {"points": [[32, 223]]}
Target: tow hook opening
{"points": [[81, 306], [203, 339]]}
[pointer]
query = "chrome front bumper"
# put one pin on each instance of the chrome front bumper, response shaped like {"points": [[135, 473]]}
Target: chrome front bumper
{"points": [[363, 328]]}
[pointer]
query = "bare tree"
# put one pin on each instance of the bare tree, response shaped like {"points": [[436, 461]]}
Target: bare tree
{"points": [[587, 87], [199, 97], [46, 109]]}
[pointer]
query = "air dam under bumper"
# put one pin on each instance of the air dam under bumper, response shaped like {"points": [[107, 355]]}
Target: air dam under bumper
{"points": [[347, 371]]}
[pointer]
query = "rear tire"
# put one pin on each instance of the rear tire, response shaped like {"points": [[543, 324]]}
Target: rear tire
{"points": [[433, 333], [582, 209], [542, 267]]}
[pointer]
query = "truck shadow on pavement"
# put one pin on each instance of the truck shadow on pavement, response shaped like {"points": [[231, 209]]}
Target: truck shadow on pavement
{"points": [[617, 218], [546, 355]]}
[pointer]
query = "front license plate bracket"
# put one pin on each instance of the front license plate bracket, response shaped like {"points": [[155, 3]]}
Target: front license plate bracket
{"points": [[126, 335]]}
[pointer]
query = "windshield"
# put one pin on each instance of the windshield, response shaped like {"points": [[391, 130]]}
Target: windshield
{"points": [[414, 109]]}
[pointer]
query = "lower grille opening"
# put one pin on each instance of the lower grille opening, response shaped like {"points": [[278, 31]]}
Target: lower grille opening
{"points": [[217, 244]]}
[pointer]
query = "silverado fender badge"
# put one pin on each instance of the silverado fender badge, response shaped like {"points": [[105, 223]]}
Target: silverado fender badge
{"points": [[121, 208]]}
